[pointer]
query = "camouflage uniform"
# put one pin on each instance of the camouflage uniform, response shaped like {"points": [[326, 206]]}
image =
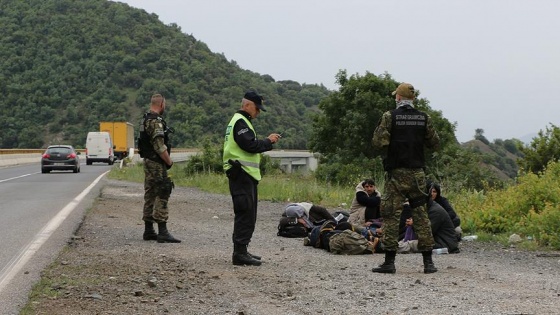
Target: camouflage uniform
{"points": [[157, 184], [402, 184]]}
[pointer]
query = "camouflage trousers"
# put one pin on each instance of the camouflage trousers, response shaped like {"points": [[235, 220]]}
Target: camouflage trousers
{"points": [[400, 185], [157, 189]]}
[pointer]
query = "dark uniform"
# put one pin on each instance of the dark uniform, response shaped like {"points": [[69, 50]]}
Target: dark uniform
{"points": [[153, 140], [401, 137], [242, 152]]}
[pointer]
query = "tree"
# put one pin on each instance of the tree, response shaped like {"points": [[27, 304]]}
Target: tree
{"points": [[342, 132], [543, 149], [479, 135]]}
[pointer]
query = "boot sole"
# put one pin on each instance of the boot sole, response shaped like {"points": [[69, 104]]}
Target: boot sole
{"points": [[168, 241], [384, 271], [246, 264], [150, 238]]}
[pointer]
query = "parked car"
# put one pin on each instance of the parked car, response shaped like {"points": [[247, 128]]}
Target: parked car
{"points": [[60, 157]]}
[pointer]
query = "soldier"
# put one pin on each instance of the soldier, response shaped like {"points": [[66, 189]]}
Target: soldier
{"points": [[154, 147], [400, 139], [242, 155]]}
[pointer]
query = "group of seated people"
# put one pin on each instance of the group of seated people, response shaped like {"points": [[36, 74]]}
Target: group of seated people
{"points": [[364, 217]]}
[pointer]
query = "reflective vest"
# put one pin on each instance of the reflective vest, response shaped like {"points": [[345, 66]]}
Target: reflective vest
{"points": [[250, 161]]}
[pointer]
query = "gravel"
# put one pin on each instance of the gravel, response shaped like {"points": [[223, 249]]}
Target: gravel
{"points": [[108, 269]]}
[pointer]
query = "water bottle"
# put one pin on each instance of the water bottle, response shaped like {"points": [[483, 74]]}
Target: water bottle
{"points": [[339, 217], [440, 251], [469, 238]]}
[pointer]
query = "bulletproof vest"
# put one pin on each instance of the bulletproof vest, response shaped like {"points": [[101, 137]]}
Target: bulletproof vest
{"points": [[408, 129], [145, 148]]}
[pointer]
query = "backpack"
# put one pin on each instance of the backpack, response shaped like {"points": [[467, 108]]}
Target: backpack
{"points": [[290, 227], [319, 236], [349, 242]]}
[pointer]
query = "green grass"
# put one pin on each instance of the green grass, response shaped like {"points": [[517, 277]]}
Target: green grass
{"points": [[479, 211], [278, 187]]}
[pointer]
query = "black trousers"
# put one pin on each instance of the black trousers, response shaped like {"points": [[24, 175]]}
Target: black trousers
{"points": [[243, 190], [318, 214]]}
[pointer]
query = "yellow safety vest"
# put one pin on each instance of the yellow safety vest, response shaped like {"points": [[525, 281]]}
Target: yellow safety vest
{"points": [[250, 161]]}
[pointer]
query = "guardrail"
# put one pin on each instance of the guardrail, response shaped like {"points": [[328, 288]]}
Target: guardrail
{"points": [[290, 161]]}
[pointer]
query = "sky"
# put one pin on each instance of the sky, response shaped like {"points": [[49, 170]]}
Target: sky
{"points": [[485, 64]]}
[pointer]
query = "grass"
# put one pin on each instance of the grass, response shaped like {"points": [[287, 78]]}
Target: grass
{"points": [[299, 188], [276, 187]]}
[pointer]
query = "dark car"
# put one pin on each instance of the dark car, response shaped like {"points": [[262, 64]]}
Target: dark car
{"points": [[60, 157]]}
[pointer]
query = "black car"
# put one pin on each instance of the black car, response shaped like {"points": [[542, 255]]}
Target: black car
{"points": [[60, 157]]}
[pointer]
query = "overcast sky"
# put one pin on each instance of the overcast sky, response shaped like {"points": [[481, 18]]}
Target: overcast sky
{"points": [[490, 64]]}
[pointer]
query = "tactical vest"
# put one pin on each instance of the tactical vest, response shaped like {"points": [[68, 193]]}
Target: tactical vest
{"points": [[408, 129], [145, 147], [250, 161]]}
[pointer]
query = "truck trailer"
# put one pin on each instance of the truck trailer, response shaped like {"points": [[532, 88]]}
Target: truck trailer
{"points": [[122, 135]]}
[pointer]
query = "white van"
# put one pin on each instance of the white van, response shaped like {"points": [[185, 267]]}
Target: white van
{"points": [[99, 148]]}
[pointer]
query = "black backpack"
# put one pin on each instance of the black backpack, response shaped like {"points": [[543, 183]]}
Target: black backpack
{"points": [[290, 227]]}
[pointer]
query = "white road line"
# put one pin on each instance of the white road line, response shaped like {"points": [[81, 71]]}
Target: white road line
{"points": [[7, 179], [15, 265]]}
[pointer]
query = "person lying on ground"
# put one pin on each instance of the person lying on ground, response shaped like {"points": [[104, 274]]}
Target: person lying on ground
{"points": [[308, 214]]}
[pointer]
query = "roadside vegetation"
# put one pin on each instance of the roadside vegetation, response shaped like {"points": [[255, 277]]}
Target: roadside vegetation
{"points": [[530, 207]]}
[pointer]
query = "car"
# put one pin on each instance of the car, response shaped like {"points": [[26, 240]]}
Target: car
{"points": [[60, 158]]}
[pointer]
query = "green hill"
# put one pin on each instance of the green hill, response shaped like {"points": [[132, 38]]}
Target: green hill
{"points": [[68, 64]]}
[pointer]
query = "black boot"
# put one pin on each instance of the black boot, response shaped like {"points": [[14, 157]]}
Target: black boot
{"points": [[241, 256], [149, 232], [429, 266], [254, 256], [164, 236], [388, 266]]}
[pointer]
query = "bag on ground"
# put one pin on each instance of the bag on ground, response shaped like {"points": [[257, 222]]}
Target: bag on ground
{"points": [[290, 227], [349, 242]]}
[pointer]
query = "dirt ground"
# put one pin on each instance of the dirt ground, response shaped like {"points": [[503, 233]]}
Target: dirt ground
{"points": [[108, 269]]}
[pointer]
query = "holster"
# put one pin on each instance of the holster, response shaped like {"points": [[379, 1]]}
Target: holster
{"points": [[235, 169], [417, 202], [167, 186]]}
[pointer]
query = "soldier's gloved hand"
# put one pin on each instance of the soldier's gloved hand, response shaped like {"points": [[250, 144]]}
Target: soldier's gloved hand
{"points": [[169, 166]]}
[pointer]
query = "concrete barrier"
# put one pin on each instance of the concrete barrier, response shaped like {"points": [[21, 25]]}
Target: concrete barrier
{"points": [[19, 159]]}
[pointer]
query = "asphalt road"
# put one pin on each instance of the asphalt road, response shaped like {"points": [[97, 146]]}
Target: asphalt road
{"points": [[38, 214]]}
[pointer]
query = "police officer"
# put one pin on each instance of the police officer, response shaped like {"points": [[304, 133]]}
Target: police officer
{"points": [[242, 155], [400, 139], [154, 147]]}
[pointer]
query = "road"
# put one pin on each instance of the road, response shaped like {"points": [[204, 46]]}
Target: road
{"points": [[38, 214]]}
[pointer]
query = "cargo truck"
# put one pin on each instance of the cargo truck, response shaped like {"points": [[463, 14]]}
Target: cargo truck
{"points": [[122, 135]]}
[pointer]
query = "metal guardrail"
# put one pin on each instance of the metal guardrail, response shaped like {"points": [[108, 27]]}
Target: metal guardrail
{"points": [[41, 151], [290, 160]]}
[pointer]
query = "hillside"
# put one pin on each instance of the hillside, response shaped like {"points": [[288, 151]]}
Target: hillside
{"points": [[68, 64], [496, 158]]}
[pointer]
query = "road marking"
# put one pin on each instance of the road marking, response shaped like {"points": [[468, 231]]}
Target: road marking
{"points": [[15, 265], [7, 179]]}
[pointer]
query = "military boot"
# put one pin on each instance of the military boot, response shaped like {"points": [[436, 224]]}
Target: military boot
{"points": [[164, 236], [149, 232], [254, 256], [429, 266], [241, 257], [388, 266]]}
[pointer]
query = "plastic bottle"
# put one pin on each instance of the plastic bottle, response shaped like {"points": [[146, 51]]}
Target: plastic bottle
{"points": [[339, 217], [440, 251], [469, 238]]}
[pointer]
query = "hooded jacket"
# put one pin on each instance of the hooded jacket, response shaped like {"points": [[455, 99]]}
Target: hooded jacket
{"points": [[444, 203], [362, 201]]}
